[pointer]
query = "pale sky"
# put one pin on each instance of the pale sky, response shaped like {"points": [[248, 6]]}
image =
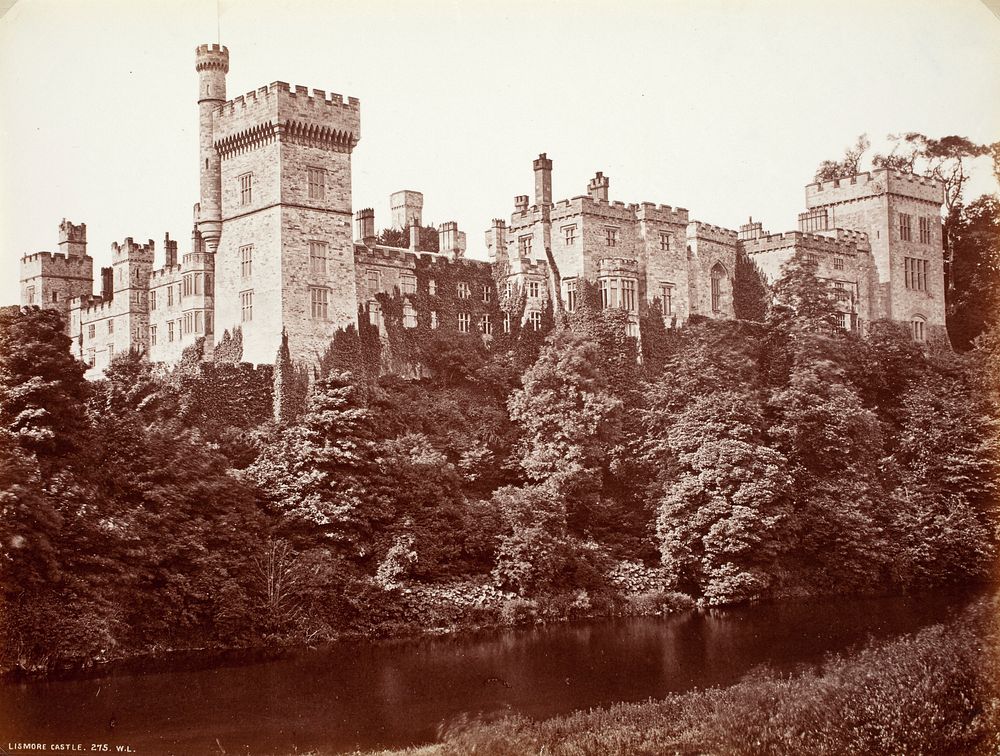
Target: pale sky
{"points": [[724, 107]]}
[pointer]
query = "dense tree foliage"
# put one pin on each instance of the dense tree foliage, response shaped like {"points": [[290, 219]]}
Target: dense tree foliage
{"points": [[739, 460]]}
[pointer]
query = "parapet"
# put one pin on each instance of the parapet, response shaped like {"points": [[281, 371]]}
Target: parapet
{"points": [[56, 265], [211, 56], [708, 232], [130, 250], [309, 115], [849, 244], [617, 266], [661, 213], [70, 232], [872, 183]]}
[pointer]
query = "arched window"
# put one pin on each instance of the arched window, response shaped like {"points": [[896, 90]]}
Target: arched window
{"points": [[918, 325], [718, 277]]}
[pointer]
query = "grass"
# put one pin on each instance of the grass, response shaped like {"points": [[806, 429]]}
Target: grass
{"points": [[933, 692]]}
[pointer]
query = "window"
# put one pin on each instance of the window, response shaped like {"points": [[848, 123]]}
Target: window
{"points": [[187, 285], [91, 357], [812, 257], [55, 296], [374, 313], [209, 322], [718, 274], [838, 263], [487, 293], [432, 287], [409, 316], [524, 246], [463, 322], [506, 322], [319, 304], [152, 300], [317, 183], [535, 318], [372, 282], [628, 294], [508, 289], [842, 320], [188, 324], [464, 292], [111, 352], [664, 242], [246, 188], [170, 296], [408, 284], [199, 281], [918, 329], [667, 299], [533, 289], [611, 236], [915, 273], [905, 233], [317, 256], [569, 235], [198, 322], [246, 261], [152, 335], [111, 325], [29, 295], [570, 294], [246, 306], [925, 230], [170, 330], [841, 292], [486, 325], [91, 331], [434, 319]]}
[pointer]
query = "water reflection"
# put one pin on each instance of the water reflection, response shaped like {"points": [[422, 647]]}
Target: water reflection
{"points": [[394, 693]]}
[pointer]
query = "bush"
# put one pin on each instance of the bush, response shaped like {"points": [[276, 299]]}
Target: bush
{"points": [[659, 602], [518, 611]]}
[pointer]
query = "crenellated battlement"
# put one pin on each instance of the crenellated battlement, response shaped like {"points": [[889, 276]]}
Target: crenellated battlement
{"points": [[93, 307], [709, 232], [847, 245], [56, 264], [129, 250], [399, 257], [211, 57], [164, 275], [662, 213], [873, 183]]}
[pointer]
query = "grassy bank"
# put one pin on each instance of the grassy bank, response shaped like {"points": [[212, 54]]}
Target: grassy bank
{"points": [[933, 692]]}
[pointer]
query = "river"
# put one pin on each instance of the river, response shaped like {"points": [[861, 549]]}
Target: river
{"points": [[394, 693]]}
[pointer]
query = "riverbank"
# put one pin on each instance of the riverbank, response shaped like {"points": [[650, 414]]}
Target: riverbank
{"points": [[405, 610], [931, 692]]}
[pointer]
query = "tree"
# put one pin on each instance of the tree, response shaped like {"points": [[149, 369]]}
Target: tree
{"points": [[848, 166], [803, 298], [751, 294], [42, 390], [427, 240], [975, 272], [321, 475]]}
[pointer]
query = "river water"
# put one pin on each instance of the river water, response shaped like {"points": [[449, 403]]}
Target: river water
{"points": [[394, 693]]}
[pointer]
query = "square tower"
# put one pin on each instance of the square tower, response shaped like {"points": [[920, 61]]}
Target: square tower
{"points": [[286, 258], [901, 214]]}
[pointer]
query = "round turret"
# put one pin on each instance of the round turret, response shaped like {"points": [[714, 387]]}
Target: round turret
{"points": [[212, 65]]}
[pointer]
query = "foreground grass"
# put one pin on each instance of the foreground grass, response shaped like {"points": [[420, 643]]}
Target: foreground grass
{"points": [[933, 692]]}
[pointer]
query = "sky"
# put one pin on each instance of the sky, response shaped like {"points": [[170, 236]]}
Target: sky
{"points": [[723, 107]]}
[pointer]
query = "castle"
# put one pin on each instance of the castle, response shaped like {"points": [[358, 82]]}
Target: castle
{"points": [[272, 250]]}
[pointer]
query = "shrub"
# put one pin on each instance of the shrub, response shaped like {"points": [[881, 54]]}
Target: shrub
{"points": [[518, 611]]}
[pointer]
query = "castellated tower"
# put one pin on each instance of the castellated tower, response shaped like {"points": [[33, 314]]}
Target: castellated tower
{"points": [[212, 64], [52, 280], [131, 264], [286, 254], [901, 214]]}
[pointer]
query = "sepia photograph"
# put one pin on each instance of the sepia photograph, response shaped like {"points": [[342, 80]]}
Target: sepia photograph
{"points": [[500, 377]]}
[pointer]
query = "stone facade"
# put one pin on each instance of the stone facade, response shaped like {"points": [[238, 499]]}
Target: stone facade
{"points": [[272, 250]]}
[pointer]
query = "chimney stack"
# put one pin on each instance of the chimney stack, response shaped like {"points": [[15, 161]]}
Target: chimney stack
{"points": [[414, 234], [407, 206], [543, 181], [521, 203], [170, 250], [496, 240], [107, 284], [365, 220]]}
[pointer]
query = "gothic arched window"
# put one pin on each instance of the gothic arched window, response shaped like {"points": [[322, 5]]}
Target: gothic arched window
{"points": [[718, 276]]}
